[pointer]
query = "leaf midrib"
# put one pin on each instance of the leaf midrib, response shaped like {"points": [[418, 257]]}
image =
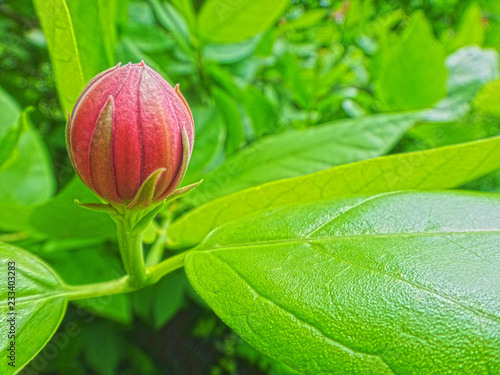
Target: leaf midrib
{"points": [[292, 241], [313, 241], [38, 297]]}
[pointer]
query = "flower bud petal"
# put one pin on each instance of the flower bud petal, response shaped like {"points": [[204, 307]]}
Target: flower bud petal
{"points": [[126, 147], [101, 163]]}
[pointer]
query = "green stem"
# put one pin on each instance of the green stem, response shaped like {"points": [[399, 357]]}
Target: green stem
{"points": [[130, 243], [173, 263], [123, 284], [117, 286]]}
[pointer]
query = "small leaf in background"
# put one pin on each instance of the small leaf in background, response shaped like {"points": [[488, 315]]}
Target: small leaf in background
{"points": [[298, 152], [159, 303], [128, 51], [103, 352], [230, 53], [396, 283], [28, 178], [232, 120], [39, 306], [210, 138], [186, 8], [62, 218], [10, 125], [223, 21], [310, 18], [413, 73], [471, 29], [293, 75], [261, 111], [170, 19], [439, 168], [469, 69], [57, 26], [224, 79]]}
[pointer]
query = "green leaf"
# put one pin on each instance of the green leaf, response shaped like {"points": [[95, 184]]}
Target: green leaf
{"points": [[103, 352], [10, 125], [439, 168], [469, 69], [57, 26], [308, 19], [397, 283], [14, 217], [232, 119], [488, 98], [39, 306], [96, 45], [28, 177], [470, 30], [225, 79], [263, 114], [300, 152], [209, 144], [159, 303], [170, 19], [294, 78], [223, 21], [413, 73], [62, 218], [128, 51], [230, 53], [185, 7]]}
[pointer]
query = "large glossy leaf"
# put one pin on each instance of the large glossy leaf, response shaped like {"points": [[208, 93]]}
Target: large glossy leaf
{"points": [[10, 126], [413, 73], [39, 306], [300, 152], [57, 26], [439, 168], [399, 283], [62, 218], [28, 178], [222, 21]]}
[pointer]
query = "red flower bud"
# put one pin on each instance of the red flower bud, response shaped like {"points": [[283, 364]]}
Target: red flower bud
{"points": [[128, 123]]}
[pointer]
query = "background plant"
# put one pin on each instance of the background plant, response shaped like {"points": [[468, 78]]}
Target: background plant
{"points": [[301, 99]]}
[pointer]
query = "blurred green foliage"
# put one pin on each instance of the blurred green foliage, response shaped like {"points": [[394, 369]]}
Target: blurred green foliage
{"points": [[250, 71]]}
